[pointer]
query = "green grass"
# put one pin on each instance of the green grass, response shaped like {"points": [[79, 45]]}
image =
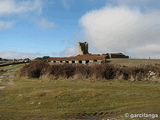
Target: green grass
{"points": [[36, 99], [12, 66], [5, 68]]}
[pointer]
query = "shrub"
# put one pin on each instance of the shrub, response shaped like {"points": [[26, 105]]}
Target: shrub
{"points": [[103, 71], [58, 71], [34, 69]]}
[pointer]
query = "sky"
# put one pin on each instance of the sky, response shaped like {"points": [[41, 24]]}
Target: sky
{"points": [[37, 28]]}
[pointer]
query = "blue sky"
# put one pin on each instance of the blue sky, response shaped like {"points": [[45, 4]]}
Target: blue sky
{"points": [[36, 28]]}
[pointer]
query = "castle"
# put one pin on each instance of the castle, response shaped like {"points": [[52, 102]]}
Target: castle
{"points": [[84, 57], [82, 48]]}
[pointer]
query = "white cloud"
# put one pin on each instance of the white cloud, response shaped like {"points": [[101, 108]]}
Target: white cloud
{"points": [[120, 29], [69, 51], [66, 3], [6, 25], [136, 3], [130, 1], [8, 7], [146, 51], [18, 55], [43, 23]]}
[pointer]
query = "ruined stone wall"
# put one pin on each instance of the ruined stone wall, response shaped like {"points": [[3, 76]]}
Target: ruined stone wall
{"points": [[82, 48], [117, 55]]}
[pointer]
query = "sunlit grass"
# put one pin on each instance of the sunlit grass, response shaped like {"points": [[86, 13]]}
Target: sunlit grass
{"points": [[34, 98], [133, 62], [12, 66], [46, 99]]}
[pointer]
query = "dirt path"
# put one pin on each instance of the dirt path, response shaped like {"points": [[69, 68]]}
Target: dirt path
{"points": [[7, 78]]}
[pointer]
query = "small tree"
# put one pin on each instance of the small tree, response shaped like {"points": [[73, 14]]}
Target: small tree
{"points": [[46, 57]]}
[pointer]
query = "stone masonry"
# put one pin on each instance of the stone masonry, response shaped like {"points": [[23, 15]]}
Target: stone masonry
{"points": [[82, 48]]}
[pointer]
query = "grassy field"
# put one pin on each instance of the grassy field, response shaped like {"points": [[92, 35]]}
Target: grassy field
{"points": [[12, 66], [133, 62], [48, 100], [4, 69], [45, 99]]}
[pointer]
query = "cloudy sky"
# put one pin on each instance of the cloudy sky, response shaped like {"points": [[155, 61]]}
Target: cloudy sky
{"points": [[36, 28]]}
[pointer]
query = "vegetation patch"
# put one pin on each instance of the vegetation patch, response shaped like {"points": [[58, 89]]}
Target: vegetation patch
{"points": [[89, 97], [94, 72], [73, 100]]}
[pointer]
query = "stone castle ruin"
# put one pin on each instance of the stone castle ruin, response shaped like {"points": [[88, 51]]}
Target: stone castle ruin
{"points": [[84, 57], [117, 55], [82, 48]]}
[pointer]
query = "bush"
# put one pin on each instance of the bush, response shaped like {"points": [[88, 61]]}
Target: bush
{"points": [[34, 69], [58, 71], [103, 71]]}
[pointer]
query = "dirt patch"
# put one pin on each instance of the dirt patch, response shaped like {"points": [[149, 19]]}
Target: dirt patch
{"points": [[7, 78], [2, 87], [93, 116]]}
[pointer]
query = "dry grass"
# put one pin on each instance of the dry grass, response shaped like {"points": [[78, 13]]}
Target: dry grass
{"points": [[35, 99], [80, 99], [102, 71], [133, 62]]}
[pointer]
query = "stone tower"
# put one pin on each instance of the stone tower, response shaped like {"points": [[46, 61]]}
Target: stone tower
{"points": [[82, 48]]}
